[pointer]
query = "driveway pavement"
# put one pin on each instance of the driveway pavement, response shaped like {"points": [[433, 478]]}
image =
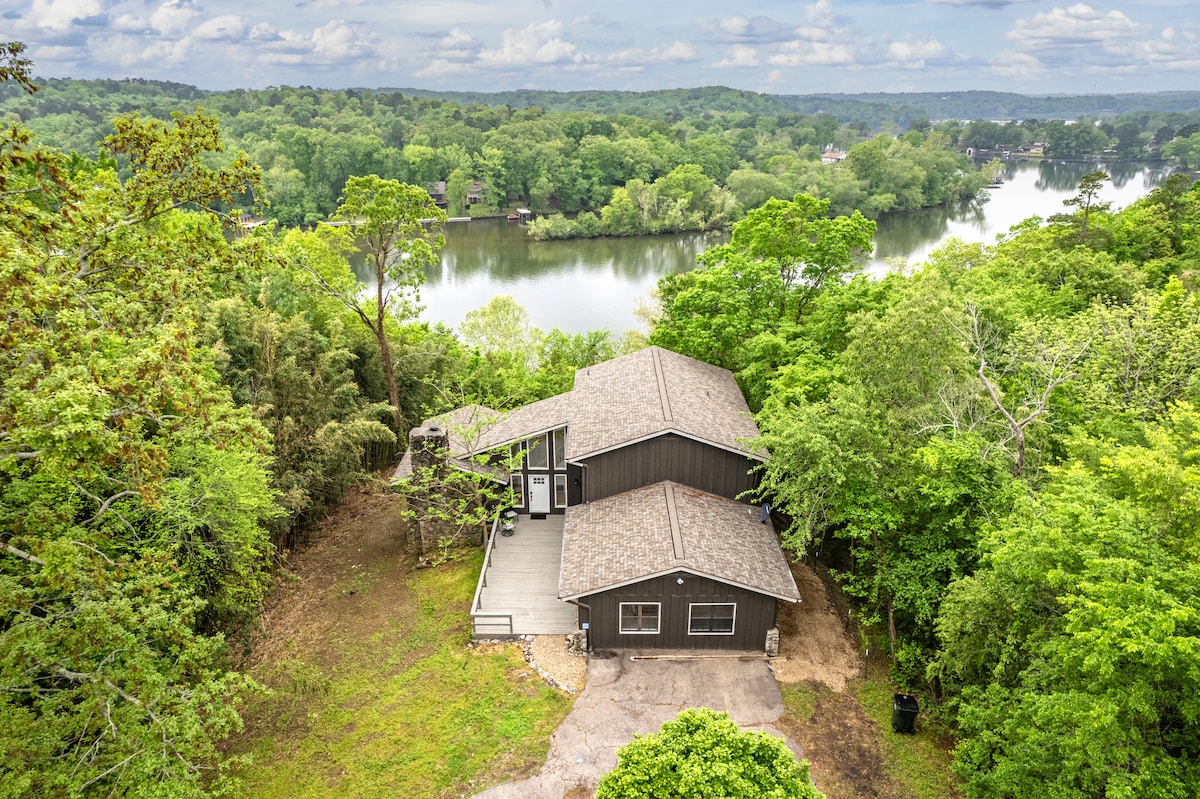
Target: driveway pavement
{"points": [[625, 696]]}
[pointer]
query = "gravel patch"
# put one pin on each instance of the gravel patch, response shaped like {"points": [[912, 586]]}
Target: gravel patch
{"points": [[550, 657], [562, 668]]}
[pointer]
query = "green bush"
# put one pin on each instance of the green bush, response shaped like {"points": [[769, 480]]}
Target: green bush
{"points": [[702, 753]]}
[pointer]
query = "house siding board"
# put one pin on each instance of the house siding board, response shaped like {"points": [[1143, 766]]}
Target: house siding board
{"points": [[754, 616], [575, 479], [669, 457]]}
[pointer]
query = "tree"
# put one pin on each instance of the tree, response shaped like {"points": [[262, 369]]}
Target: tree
{"points": [[1070, 654], [401, 228], [702, 753], [1089, 189], [133, 493], [502, 326], [15, 66], [453, 494]]}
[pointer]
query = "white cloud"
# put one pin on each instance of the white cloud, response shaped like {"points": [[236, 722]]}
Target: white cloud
{"points": [[1174, 50], [228, 27], [339, 41], [916, 53], [458, 45], [1011, 64], [174, 17], [1079, 24], [993, 4], [821, 13], [742, 29], [803, 54], [538, 44], [740, 57], [133, 52], [680, 52], [59, 15], [127, 23]]}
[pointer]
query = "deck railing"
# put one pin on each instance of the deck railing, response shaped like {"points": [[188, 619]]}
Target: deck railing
{"points": [[487, 561], [503, 626]]}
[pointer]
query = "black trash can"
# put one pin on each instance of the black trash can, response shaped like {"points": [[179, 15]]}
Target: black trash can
{"points": [[904, 712]]}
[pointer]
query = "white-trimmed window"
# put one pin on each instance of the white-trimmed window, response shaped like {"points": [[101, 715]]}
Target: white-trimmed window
{"points": [[639, 618], [516, 450], [517, 481], [711, 619], [539, 453], [560, 491], [560, 448]]}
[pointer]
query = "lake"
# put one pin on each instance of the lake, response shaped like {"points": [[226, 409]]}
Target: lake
{"points": [[585, 284]]}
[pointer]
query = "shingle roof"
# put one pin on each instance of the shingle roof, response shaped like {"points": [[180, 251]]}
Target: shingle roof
{"points": [[655, 391], [668, 527], [636, 396]]}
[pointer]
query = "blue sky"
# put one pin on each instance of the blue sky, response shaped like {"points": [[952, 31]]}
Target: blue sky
{"points": [[1029, 46]]}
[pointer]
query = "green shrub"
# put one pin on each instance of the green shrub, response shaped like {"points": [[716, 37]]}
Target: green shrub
{"points": [[702, 753]]}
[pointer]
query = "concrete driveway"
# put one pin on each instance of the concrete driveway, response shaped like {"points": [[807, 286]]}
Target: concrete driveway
{"points": [[627, 695]]}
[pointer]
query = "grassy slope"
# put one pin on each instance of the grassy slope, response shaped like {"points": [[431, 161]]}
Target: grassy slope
{"points": [[854, 754], [407, 711]]}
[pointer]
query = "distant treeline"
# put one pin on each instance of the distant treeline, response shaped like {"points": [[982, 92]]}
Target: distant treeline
{"points": [[488, 153]]}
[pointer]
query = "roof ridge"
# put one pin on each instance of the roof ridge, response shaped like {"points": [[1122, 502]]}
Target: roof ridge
{"points": [[673, 520], [664, 401]]}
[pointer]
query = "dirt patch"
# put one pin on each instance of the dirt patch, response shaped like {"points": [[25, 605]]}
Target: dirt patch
{"points": [[814, 644], [842, 746], [322, 605]]}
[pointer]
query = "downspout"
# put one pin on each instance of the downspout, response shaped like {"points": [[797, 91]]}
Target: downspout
{"points": [[588, 607]]}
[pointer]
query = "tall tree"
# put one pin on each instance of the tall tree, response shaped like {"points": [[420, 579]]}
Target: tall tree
{"points": [[1087, 198], [401, 228]]}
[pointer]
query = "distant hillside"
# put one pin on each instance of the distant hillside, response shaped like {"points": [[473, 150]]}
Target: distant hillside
{"points": [[900, 108], [105, 97], [665, 102]]}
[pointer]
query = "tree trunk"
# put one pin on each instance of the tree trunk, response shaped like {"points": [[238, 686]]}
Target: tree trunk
{"points": [[385, 349], [891, 609]]}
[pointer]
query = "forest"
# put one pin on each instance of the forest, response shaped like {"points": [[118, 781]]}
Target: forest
{"points": [[995, 452], [629, 163]]}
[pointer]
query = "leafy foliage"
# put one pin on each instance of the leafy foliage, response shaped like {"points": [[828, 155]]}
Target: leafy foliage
{"points": [[703, 753]]}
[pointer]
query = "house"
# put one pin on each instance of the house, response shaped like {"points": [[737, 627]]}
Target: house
{"points": [[630, 525], [437, 190]]}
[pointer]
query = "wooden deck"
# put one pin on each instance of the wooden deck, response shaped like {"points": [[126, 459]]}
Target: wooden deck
{"points": [[518, 589]]}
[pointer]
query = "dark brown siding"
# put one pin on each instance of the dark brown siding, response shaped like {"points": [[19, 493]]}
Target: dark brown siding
{"points": [[668, 457], [755, 615]]}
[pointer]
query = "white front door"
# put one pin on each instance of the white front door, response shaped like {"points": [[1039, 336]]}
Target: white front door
{"points": [[539, 493]]}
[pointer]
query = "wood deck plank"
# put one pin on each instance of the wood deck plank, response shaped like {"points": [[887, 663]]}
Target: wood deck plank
{"points": [[522, 582]]}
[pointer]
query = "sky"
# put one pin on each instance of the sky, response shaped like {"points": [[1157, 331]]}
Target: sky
{"points": [[1027, 46]]}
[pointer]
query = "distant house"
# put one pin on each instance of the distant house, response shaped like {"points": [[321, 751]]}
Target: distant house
{"points": [[628, 494], [474, 192], [832, 156], [437, 190]]}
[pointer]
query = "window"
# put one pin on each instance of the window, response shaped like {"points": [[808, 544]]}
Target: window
{"points": [[516, 450], [560, 491], [639, 617], [539, 455], [517, 481], [560, 448], [711, 619]]}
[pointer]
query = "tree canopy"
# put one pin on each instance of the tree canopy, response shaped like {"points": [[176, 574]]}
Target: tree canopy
{"points": [[702, 753]]}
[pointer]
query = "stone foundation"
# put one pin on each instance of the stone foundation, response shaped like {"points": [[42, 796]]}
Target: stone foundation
{"points": [[772, 645]]}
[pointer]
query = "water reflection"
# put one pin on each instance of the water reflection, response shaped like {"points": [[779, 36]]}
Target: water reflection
{"points": [[595, 283], [1031, 188]]}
